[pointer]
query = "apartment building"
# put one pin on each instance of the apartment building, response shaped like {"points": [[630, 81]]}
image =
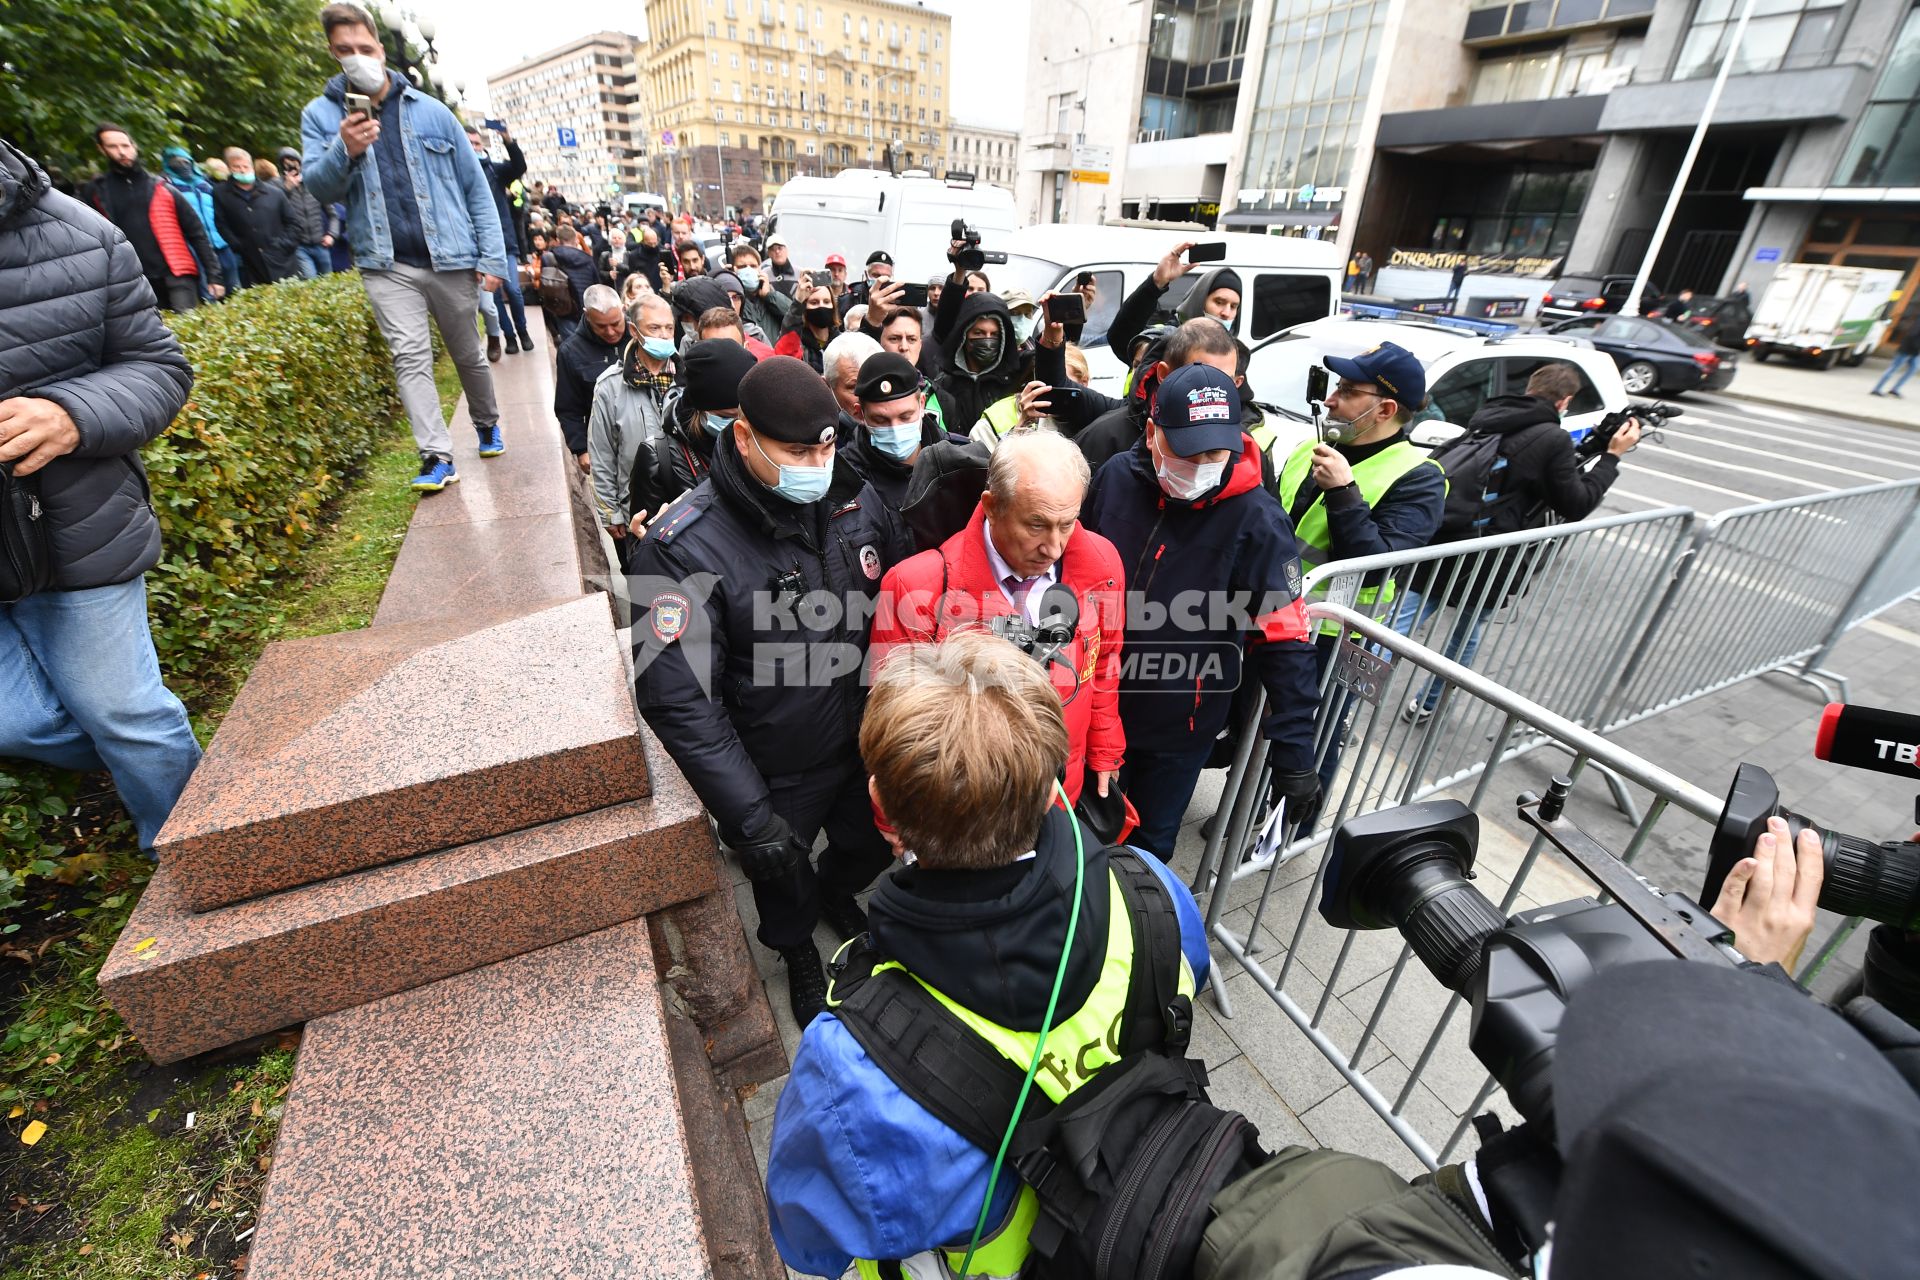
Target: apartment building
{"points": [[990, 155], [575, 111], [745, 94]]}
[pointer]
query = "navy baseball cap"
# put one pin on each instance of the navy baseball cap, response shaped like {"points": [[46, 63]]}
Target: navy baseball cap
{"points": [[1197, 408], [1392, 368]]}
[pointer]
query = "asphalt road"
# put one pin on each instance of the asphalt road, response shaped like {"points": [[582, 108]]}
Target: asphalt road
{"points": [[1724, 452]]}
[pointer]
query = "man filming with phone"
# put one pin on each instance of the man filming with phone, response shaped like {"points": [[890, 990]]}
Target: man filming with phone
{"points": [[372, 141]]}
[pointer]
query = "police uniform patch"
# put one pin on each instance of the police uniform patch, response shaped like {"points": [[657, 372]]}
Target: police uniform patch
{"points": [[870, 561], [669, 616], [1293, 578]]}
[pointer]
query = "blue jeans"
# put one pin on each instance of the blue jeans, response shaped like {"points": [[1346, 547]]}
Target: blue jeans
{"points": [[1463, 641], [229, 269], [1902, 365], [511, 305], [1160, 784], [314, 260], [80, 688]]}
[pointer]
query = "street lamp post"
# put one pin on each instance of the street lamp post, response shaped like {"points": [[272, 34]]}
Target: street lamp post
{"points": [[410, 48]]}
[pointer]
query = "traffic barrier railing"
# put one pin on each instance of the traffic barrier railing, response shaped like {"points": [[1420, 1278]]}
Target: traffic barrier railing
{"points": [[1895, 576], [1393, 758], [1768, 587]]}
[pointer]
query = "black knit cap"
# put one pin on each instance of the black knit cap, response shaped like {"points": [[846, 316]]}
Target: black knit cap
{"points": [[713, 369], [1227, 278], [783, 399], [886, 376]]}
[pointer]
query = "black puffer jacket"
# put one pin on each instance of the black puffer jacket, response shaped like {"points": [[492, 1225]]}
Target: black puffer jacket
{"points": [[965, 395], [258, 223], [78, 327], [714, 584]]}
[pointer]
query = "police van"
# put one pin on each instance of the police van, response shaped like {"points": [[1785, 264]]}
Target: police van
{"points": [[1465, 368], [1287, 280]]}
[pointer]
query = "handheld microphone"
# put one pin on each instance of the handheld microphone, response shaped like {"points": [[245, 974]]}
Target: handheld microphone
{"points": [[1870, 738]]}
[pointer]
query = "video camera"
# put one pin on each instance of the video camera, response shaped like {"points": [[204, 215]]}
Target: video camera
{"points": [[1409, 868], [1044, 640], [970, 256], [1651, 417]]}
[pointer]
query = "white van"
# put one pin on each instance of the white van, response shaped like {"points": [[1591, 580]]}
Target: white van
{"points": [[1824, 313], [1288, 281], [910, 216], [638, 202]]}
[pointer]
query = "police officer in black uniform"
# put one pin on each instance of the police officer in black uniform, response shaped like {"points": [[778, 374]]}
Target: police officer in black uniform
{"points": [[752, 598]]}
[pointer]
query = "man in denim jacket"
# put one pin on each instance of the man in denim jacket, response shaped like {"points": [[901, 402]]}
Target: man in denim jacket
{"points": [[422, 223]]}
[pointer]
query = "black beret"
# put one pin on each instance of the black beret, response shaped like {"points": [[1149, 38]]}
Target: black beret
{"points": [[879, 255], [713, 369], [783, 399], [887, 376]]}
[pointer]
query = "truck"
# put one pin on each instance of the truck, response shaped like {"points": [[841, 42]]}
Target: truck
{"points": [[910, 215], [1823, 313]]}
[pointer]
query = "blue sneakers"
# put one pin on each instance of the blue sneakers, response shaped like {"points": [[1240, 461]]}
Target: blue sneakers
{"points": [[435, 474], [491, 445]]}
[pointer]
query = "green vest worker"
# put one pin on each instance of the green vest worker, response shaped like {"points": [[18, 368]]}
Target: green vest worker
{"points": [[964, 741], [1371, 491]]}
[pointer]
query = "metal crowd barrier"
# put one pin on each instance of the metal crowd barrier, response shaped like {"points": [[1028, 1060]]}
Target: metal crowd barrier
{"points": [[1323, 979], [1771, 587]]}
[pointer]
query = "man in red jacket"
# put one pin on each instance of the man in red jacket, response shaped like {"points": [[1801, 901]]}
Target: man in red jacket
{"points": [[1024, 536]]}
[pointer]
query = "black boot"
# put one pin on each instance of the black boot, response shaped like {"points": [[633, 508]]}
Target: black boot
{"points": [[844, 916], [806, 983]]}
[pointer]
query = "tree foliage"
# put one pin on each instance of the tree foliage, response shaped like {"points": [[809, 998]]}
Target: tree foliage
{"points": [[204, 74]]}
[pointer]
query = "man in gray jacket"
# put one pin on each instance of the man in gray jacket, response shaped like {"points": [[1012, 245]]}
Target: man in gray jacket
{"points": [[628, 415], [87, 376], [316, 222]]}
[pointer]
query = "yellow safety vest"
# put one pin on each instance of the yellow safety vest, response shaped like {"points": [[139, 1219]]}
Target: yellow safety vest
{"points": [[1003, 415], [1075, 1050], [1375, 475]]}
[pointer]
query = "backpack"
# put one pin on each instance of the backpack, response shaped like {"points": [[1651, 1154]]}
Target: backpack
{"points": [[1474, 466], [556, 288], [1125, 1168]]}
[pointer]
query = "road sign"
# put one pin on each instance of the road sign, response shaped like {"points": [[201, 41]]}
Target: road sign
{"points": [[1766, 255], [1092, 164], [567, 136], [666, 137]]}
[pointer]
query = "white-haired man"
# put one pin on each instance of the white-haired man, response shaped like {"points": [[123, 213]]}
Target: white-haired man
{"points": [[1025, 536]]}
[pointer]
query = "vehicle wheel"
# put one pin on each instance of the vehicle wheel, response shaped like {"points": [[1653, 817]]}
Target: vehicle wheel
{"points": [[1639, 378], [1828, 360], [1762, 352], [1856, 357]]}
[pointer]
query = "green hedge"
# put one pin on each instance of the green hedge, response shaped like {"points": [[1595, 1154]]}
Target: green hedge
{"points": [[293, 388]]}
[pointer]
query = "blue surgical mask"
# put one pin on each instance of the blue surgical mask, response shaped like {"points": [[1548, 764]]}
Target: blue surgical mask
{"points": [[658, 348], [799, 485], [749, 278], [715, 422], [896, 441]]}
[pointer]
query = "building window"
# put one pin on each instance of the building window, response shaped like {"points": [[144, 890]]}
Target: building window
{"points": [[710, 29], [846, 24], [1886, 145], [1782, 34]]}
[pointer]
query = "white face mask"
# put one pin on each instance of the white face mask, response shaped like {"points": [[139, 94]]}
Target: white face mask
{"points": [[364, 73], [1185, 481], [1023, 327]]}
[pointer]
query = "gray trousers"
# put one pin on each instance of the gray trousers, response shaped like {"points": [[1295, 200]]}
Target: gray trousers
{"points": [[403, 299]]}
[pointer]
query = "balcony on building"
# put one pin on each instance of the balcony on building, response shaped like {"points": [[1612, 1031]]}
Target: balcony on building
{"points": [[1177, 163]]}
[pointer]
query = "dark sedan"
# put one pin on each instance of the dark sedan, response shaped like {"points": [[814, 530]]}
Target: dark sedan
{"points": [[1655, 357]]}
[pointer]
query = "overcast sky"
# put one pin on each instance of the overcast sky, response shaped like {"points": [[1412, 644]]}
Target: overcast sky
{"points": [[478, 38]]}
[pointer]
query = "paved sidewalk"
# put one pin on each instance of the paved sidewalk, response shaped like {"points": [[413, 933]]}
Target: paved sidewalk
{"points": [[1838, 390]]}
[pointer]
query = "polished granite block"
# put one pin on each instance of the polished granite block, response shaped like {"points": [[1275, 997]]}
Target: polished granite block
{"points": [[350, 750], [188, 981], [517, 1121]]}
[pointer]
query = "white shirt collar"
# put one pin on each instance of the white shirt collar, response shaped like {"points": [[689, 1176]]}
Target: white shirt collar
{"points": [[1002, 571]]}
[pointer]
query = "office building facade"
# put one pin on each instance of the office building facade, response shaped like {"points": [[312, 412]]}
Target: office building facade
{"points": [[575, 111], [743, 95]]}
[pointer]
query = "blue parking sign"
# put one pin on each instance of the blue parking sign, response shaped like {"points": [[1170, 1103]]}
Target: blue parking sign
{"points": [[567, 136]]}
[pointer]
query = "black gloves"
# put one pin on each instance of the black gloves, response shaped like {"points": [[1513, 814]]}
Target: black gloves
{"points": [[771, 853], [1300, 788]]}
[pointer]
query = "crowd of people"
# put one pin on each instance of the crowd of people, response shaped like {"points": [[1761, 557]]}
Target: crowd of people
{"points": [[893, 565]]}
